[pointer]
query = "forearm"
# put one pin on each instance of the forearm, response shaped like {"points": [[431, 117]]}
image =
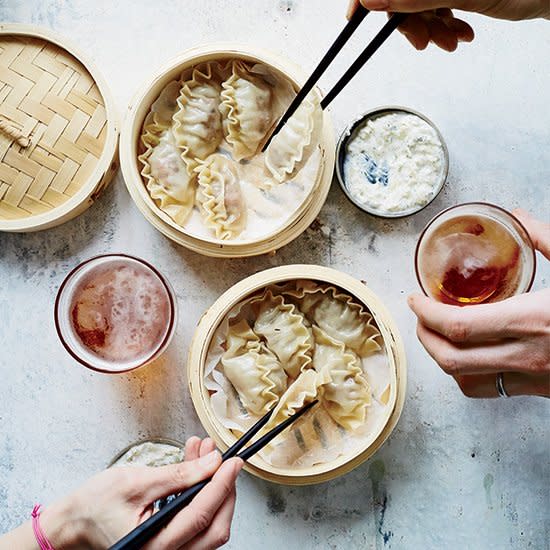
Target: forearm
{"points": [[21, 538]]}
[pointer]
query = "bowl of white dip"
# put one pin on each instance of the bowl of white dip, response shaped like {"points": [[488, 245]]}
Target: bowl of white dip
{"points": [[392, 162]]}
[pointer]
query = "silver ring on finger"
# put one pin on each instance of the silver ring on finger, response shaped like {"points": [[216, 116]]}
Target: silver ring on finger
{"points": [[500, 385]]}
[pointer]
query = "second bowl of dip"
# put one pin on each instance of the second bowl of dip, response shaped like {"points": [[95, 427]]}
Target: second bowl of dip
{"points": [[392, 162]]}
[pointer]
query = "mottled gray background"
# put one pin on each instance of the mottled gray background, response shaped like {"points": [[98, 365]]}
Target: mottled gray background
{"points": [[456, 473]]}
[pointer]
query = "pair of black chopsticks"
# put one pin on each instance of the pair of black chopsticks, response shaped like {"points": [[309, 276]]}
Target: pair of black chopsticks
{"points": [[142, 533], [394, 21]]}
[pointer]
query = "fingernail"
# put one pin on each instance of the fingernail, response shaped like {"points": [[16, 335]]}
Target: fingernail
{"points": [[464, 37], [210, 459], [239, 463], [237, 466]]}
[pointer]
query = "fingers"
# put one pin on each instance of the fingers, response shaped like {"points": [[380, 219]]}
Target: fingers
{"points": [[457, 359], [477, 323], [463, 31], [515, 383], [192, 447], [524, 315], [352, 6], [207, 446], [538, 231], [416, 31], [478, 385], [430, 20], [166, 480], [199, 515], [409, 6], [195, 447], [220, 529], [440, 34], [439, 27]]}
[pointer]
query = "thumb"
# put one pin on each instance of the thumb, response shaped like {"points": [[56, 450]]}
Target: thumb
{"points": [[174, 478], [538, 231]]}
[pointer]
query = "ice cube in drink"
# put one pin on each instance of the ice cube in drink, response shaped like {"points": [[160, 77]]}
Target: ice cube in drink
{"points": [[470, 257]]}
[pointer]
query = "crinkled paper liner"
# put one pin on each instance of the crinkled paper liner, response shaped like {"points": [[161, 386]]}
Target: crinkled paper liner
{"points": [[315, 438], [160, 119]]}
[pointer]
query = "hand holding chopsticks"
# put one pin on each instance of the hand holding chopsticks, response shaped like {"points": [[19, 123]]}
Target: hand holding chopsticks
{"points": [[360, 13], [145, 531]]}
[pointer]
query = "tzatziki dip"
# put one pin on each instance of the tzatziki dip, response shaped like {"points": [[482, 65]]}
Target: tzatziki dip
{"points": [[394, 163], [150, 453]]}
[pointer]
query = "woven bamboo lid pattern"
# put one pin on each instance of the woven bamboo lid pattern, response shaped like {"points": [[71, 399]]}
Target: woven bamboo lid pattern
{"points": [[58, 131]]}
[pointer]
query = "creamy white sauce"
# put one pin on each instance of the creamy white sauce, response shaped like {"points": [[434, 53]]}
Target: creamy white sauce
{"points": [[269, 205], [151, 454], [394, 163]]}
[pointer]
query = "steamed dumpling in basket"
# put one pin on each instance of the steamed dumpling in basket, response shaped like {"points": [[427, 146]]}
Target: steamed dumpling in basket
{"points": [[201, 158], [288, 345]]}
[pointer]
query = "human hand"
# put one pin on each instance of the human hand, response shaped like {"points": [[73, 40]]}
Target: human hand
{"points": [[114, 502], [474, 343], [433, 20]]}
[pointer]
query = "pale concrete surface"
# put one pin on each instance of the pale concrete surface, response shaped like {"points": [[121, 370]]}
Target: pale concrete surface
{"points": [[456, 473]]}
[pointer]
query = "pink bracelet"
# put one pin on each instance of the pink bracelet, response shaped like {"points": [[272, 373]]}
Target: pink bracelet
{"points": [[41, 539]]}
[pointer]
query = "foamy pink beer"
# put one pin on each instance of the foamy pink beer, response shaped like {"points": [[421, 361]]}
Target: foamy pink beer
{"points": [[115, 313]]}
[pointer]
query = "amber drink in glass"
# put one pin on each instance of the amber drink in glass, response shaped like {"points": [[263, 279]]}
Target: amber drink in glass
{"points": [[474, 253]]}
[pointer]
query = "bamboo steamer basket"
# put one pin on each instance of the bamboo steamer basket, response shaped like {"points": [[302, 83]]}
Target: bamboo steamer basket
{"points": [[58, 130], [393, 346], [131, 167]]}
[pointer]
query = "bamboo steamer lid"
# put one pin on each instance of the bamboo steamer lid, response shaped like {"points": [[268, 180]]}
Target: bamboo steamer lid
{"points": [[393, 345], [131, 167], [58, 130]]}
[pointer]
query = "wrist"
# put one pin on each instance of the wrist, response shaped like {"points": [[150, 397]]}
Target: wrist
{"points": [[63, 527]]}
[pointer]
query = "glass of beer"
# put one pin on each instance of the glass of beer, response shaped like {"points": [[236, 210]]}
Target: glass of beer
{"points": [[115, 313], [474, 253]]}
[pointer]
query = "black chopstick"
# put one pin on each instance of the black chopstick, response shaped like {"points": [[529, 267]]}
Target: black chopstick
{"points": [[265, 439], [136, 538], [337, 45], [247, 436], [394, 21]]}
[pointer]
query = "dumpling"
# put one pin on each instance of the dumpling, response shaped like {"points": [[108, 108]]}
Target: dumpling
{"points": [[304, 390], [286, 331], [165, 173], [287, 151], [159, 118], [347, 395], [342, 319], [170, 184], [247, 110], [220, 197], [254, 371], [197, 122]]}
